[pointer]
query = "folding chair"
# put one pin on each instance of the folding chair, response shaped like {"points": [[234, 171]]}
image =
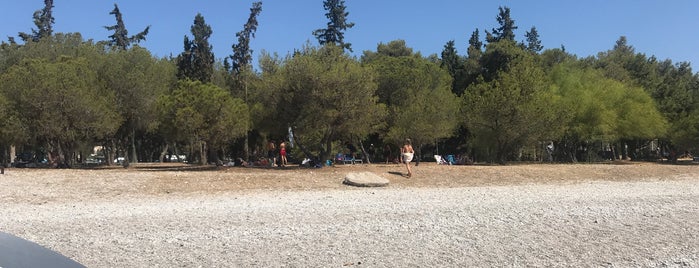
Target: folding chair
{"points": [[440, 160]]}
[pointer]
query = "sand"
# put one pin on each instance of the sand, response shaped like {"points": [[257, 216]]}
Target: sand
{"points": [[150, 215]]}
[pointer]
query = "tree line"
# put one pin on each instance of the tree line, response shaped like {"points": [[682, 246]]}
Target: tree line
{"points": [[503, 100]]}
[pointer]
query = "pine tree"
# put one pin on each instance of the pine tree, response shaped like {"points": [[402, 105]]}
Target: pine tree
{"points": [[43, 19], [450, 58], [197, 60], [455, 66], [242, 54], [334, 33], [120, 38], [533, 42], [507, 28], [474, 46]]}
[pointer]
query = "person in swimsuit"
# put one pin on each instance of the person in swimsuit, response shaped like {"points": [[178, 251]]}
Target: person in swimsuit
{"points": [[407, 153], [282, 153]]}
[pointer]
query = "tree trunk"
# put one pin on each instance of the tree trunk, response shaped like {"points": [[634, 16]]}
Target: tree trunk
{"points": [[203, 153], [611, 148], [365, 156], [327, 153], [177, 153], [110, 152], [13, 152], [163, 152], [303, 149], [246, 147], [417, 154], [4, 160], [214, 155], [134, 154]]}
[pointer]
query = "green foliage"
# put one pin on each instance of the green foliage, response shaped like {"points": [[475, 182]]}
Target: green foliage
{"points": [[533, 43], [454, 64], [43, 19], [395, 48], [59, 46], [673, 87], [242, 54], [120, 38], [475, 46], [197, 60], [472, 65], [552, 57], [507, 28], [335, 32], [60, 102], [677, 92], [418, 95], [685, 132], [9, 55], [614, 62], [325, 95], [202, 113], [512, 109], [602, 109], [12, 131], [137, 79]]}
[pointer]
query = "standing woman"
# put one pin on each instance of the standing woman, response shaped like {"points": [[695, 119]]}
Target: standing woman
{"points": [[282, 153], [407, 153]]}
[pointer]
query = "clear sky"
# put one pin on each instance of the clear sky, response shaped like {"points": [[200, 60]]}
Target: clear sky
{"points": [[666, 29]]}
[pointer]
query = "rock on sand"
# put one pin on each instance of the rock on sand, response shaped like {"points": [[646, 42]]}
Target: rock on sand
{"points": [[365, 179]]}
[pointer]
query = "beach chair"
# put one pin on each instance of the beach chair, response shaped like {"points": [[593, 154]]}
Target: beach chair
{"points": [[440, 160], [344, 158], [451, 160], [357, 159]]}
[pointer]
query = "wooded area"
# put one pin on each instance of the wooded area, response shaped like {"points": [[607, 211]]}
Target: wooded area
{"points": [[504, 100]]}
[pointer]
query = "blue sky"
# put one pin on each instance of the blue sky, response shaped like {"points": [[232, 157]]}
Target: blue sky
{"points": [[666, 29]]}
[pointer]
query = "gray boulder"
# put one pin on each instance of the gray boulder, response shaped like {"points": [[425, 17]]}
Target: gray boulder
{"points": [[365, 179]]}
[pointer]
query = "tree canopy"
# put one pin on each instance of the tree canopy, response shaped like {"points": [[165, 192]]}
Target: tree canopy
{"points": [[203, 116], [325, 96], [509, 107], [59, 103], [196, 62], [418, 94], [507, 28]]}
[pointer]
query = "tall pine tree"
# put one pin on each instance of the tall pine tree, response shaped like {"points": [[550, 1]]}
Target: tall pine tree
{"points": [[455, 66], [43, 19], [533, 43], [197, 60], [120, 38], [242, 54], [335, 32], [507, 28], [475, 46]]}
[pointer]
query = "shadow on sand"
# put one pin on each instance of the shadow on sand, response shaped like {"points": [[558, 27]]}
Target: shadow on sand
{"points": [[397, 173]]}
